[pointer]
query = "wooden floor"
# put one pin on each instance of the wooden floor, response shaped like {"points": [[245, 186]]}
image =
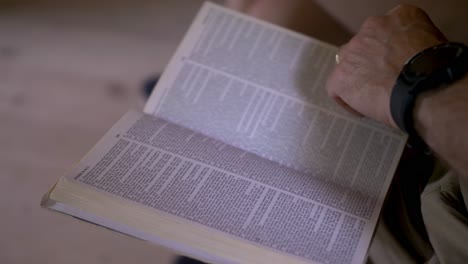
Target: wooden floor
{"points": [[67, 73]]}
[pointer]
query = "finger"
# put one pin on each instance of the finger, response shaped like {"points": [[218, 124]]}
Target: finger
{"points": [[348, 108], [413, 16], [410, 14], [339, 54], [401, 8], [394, 10]]}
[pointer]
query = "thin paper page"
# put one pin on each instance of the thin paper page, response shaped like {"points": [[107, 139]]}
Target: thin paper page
{"points": [[183, 173], [261, 88]]}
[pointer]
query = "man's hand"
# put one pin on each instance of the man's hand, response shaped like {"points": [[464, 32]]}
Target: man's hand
{"points": [[370, 62]]}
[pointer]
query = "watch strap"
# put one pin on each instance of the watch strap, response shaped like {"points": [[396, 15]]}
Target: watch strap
{"points": [[407, 88]]}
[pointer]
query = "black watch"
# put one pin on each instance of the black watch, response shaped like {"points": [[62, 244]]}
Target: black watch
{"points": [[430, 69]]}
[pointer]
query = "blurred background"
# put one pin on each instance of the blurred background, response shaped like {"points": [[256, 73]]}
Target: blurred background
{"points": [[68, 71]]}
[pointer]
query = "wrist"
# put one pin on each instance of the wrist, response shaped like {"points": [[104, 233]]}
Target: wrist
{"points": [[425, 74], [437, 110]]}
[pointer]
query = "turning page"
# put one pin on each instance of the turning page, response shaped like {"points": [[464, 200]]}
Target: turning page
{"points": [[261, 88]]}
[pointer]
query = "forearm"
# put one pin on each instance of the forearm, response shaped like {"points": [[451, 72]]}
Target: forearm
{"points": [[441, 118]]}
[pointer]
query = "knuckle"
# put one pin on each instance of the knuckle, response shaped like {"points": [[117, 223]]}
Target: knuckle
{"points": [[403, 7], [342, 49], [419, 13], [342, 55], [353, 45], [330, 91], [333, 83], [372, 22], [404, 15], [407, 9]]}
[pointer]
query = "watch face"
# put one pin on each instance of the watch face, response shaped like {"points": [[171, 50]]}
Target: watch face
{"points": [[433, 59]]}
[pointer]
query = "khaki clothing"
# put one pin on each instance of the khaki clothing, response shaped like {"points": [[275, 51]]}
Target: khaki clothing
{"points": [[430, 227]]}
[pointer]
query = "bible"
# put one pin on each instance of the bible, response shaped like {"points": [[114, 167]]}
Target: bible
{"points": [[239, 155]]}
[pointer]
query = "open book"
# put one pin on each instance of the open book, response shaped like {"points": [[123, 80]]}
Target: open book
{"points": [[240, 156]]}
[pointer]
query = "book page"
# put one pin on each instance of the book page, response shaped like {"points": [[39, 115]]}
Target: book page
{"points": [[261, 88], [175, 170]]}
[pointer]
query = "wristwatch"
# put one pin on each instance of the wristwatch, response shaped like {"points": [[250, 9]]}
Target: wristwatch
{"points": [[430, 69]]}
